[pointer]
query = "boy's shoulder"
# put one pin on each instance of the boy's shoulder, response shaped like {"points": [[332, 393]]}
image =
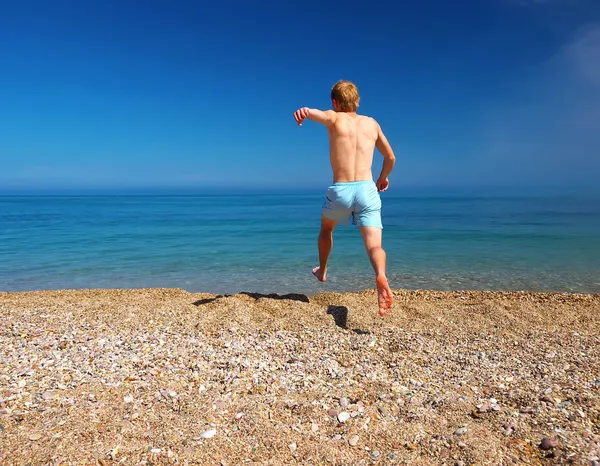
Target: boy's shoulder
{"points": [[369, 119]]}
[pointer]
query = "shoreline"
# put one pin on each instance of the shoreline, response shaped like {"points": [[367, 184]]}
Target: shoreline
{"points": [[160, 376], [419, 291]]}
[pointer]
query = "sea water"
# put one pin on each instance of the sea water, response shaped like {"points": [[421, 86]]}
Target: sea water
{"points": [[227, 243]]}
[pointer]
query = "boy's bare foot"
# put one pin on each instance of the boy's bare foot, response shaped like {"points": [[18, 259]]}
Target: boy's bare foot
{"points": [[321, 276], [384, 295]]}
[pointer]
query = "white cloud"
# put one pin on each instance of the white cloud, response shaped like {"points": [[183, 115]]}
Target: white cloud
{"points": [[583, 55], [547, 133]]}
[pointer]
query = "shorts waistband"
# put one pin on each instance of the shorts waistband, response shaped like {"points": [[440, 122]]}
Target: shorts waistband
{"points": [[353, 183]]}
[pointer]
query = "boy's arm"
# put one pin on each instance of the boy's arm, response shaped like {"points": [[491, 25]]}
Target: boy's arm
{"points": [[326, 118], [389, 159]]}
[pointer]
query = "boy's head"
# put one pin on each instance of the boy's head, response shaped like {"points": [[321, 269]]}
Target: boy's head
{"points": [[344, 97]]}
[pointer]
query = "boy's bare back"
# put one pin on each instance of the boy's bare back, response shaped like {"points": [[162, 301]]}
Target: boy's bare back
{"points": [[352, 140]]}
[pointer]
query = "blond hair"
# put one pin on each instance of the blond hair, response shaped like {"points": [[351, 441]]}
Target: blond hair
{"points": [[345, 93]]}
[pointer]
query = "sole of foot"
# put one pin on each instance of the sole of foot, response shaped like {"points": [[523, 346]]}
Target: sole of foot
{"points": [[320, 275]]}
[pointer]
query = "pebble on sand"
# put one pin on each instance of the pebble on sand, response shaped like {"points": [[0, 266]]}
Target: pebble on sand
{"points": [[548, 443], [220, 405], [484, 407], [35, 436], [353, 440], [343, 416], [460, 431], [210, 433], [168, 393]]}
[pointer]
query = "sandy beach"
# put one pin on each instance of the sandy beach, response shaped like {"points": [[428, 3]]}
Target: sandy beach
{"points": [[163, 376]]}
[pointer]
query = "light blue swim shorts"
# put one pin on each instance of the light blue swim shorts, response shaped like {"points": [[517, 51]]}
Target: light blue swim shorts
{"points": [[358, 200]]}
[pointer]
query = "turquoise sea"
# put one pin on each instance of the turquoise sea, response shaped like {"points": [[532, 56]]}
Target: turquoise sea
{"points": [[226, 243]]}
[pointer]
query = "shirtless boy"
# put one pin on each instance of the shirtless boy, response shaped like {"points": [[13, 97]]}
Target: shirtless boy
{"points": [[352, 141]]}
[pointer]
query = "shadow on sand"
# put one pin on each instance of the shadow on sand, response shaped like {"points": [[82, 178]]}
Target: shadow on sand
{"points": [[290, 296], [339, 313], [340, 317]]}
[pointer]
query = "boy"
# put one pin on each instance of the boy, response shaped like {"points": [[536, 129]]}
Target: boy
{"points": [[352, 141]]}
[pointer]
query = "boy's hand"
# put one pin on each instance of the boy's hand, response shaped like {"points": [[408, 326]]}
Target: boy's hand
{"points": [[382, 185], [301, 114]]}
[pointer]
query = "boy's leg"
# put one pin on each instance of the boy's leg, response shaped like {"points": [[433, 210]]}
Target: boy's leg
{"points": [[325, 246], [372, 239]]}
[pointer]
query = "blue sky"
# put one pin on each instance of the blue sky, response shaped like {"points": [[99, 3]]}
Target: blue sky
{"points": [[193, 95]]}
